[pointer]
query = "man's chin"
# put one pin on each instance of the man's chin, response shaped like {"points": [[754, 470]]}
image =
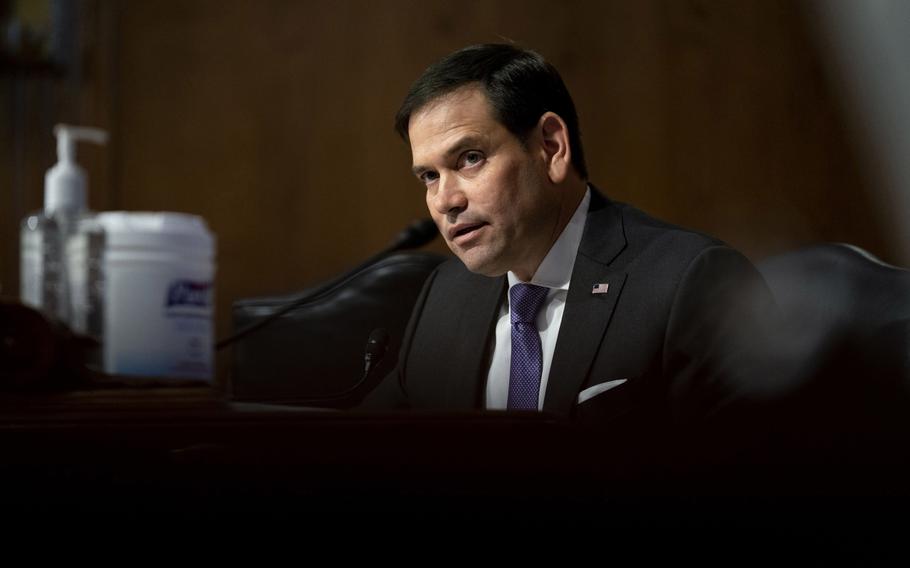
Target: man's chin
{"points": [[482, 266]]}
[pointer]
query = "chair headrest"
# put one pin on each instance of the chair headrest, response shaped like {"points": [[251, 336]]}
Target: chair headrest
{"points": [[841, 280]]}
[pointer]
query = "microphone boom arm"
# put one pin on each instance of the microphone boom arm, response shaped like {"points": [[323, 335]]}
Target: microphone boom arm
{"points": [[415, 235]]}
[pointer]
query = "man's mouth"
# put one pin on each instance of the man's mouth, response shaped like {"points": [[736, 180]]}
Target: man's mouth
{"points": [[464, 231]]}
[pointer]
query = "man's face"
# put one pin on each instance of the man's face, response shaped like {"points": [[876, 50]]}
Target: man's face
{"points": [[489, 195]]}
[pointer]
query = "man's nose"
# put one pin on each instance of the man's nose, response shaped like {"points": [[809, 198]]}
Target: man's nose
{"points": [[450, 197]]}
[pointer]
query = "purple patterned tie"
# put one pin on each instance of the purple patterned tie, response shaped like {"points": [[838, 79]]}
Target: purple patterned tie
{"points": [[525, 301]]}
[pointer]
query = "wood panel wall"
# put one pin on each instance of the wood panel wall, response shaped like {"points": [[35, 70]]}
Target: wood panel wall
{"points": [[273, 120]]}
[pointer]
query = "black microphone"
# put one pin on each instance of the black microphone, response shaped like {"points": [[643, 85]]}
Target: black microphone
{"points": [[414, 235], [377, 345], [376, 349]]}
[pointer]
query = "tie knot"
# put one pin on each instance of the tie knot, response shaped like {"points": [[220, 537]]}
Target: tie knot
{"points": [[525, 301]]}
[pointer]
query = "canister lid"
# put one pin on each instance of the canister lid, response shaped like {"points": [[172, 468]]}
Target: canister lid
{"points": [[156, 231]]}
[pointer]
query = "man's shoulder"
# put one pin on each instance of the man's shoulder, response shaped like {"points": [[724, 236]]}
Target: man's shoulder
{"points": [[642, 227], [648, 239]]}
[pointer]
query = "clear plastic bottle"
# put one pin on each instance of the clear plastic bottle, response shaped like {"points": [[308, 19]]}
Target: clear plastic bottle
{"points": [[44, 235]]}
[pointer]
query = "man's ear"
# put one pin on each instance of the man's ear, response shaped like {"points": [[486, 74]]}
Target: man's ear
{"points": [[555, 146]]}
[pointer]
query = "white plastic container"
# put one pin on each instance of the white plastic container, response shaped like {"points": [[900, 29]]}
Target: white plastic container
{"points": [[143, 283]]}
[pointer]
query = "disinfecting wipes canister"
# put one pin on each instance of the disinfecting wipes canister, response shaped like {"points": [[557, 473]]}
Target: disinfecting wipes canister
{"points": [[156, 293]]}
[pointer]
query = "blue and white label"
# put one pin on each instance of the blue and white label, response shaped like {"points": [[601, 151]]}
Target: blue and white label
{"points": [[189, 293]]}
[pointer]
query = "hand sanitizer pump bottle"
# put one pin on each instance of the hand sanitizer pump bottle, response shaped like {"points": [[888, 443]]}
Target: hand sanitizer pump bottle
{"points": [[43, 237]]}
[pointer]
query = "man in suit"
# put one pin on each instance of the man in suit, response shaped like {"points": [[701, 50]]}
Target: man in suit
{"points": [[560, 299]]}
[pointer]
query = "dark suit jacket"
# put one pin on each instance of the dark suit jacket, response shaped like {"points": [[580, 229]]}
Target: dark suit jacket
{"points": [[674, 323]]}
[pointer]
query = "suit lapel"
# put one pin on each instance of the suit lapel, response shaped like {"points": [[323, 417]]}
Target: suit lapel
{"points": [[587, 314], [473, 348]]}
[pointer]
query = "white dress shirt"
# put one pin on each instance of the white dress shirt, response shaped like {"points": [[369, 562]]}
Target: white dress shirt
{"points": [[554, 272]]}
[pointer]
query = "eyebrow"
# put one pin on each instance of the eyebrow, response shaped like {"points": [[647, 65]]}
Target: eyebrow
{"points": [[463, 143]]}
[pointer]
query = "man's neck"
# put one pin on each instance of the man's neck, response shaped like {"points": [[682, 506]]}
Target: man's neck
{"points": [[572, 193], [555, 269]]}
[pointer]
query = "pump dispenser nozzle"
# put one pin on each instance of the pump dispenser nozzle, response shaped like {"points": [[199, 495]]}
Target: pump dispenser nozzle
{"points": [[67, 136], [64, 184]]}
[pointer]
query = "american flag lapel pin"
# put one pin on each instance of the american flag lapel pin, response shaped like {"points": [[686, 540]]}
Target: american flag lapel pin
{"points": [[600, 288]]}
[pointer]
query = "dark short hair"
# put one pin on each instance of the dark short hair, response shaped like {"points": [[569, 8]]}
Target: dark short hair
{"points": [[519, 84]]}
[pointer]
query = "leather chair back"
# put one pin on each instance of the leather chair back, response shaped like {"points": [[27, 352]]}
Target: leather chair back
{"points": [[317, 350], [842, 351]]}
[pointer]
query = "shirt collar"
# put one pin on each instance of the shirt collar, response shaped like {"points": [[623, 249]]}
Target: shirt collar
{"points": [[556, 269]]}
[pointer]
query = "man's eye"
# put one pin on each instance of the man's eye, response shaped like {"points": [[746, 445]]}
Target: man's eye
{"points": [[471, 158], [428, 177]]}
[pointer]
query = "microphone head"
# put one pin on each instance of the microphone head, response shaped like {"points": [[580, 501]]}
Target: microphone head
{"points": [[377, 343], [415, 235]]}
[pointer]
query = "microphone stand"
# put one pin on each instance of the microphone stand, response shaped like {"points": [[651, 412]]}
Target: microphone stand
{"points": [[376, 348]]}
